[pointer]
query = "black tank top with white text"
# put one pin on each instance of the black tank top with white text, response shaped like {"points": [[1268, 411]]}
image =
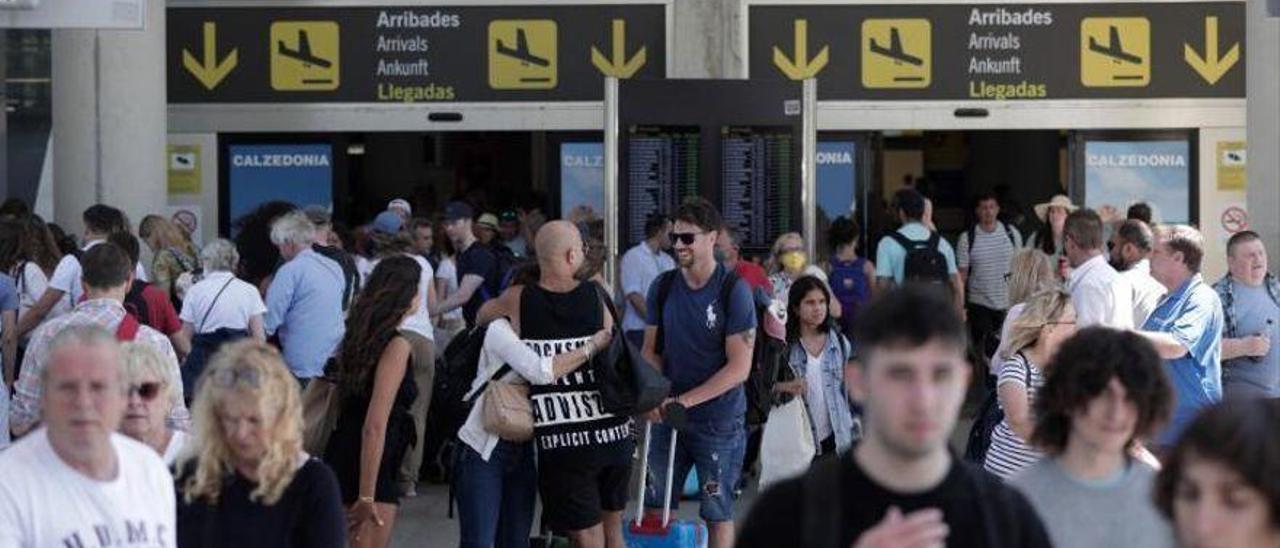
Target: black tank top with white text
{"points": [[568, 419]]}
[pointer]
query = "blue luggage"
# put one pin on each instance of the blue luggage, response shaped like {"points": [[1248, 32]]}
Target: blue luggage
{"points": [[664, 532]]}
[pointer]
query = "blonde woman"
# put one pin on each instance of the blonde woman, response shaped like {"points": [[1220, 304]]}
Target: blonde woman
{"points": [[152, 395], [1030, 272], [1047, 321], [172, 252], [788, 263], [246, 481]]}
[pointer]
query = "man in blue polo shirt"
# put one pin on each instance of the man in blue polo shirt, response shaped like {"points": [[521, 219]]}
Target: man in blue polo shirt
{"points": [[1186, 327], [705, 350]]}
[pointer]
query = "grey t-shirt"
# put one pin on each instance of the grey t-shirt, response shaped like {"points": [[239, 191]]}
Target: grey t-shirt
{"points": [[1118, 512], [1253, 377]]}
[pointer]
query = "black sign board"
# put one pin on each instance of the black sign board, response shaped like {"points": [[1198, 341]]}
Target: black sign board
{"points": [[733, 142], [1004, 51], [410, 53]]}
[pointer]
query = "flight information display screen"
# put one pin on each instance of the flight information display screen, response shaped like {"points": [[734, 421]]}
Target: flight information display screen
{"points": [[662, 169], [758, 183]]}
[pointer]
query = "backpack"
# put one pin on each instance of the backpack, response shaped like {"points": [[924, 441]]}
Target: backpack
{"points": [[135, 304], [350, 274], [924, 261], [989, 416], [851, 288], [128, 328], [769, 360]]}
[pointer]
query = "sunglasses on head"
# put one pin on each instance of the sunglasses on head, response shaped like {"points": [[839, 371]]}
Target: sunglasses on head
{"points": [[228, 378], [146, 390], [684, 237]]}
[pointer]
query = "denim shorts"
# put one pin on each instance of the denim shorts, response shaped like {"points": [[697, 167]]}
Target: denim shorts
{"points": [[715, 449]]}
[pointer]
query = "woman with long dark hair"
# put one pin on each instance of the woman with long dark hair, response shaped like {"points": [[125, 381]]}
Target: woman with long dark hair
{"points": [[819, 355], [375, 427], [259, 257]]}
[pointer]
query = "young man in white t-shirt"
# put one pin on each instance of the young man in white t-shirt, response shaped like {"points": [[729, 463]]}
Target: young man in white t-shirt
{"points": [[76, 482], [64, 290]]}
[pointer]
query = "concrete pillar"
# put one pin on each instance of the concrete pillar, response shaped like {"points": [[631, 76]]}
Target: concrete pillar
{"points": [[1262, 48], [709, 40], [109, 120]]}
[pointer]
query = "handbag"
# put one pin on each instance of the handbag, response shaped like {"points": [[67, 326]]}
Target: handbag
{"points": [[786, 446], [321, 403], [629, 384], [507, 412]]}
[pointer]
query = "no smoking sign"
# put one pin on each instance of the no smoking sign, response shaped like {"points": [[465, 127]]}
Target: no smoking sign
{"points": [[1235, 219]]}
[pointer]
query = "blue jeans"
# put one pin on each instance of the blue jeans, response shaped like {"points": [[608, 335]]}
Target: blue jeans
{"points": [[495, 498], [716, 449]]}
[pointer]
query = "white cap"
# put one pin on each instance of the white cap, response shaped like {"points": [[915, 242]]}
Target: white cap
{"points": [[400, 203]]}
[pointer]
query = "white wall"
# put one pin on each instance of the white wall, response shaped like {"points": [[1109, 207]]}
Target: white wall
{"points": [[1213, 201], [206, 202]]}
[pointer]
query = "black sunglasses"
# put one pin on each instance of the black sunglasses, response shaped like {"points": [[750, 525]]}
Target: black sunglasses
{"points": [[684, 237], [147, 390]]}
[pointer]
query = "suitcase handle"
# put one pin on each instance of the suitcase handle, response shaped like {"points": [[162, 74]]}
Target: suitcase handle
{"points": [[676, 411]]}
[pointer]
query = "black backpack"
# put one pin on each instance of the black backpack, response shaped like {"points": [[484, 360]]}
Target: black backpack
{"points": [[769, 360], [350, 274], [924, 261], [989, 416]]}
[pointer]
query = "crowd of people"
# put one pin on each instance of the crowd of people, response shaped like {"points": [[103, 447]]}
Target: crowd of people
{"points": [[289, 386]]}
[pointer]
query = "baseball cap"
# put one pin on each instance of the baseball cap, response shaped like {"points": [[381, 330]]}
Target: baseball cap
{"points": [[400, 203], [458, 210], [488, 220], [387, 222]]}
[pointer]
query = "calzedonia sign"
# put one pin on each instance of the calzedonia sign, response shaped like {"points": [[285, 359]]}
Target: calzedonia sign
{"points": [[410, 54], [1007, 51]]}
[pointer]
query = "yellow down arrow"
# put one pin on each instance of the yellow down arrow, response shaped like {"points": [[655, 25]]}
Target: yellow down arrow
{"points": [[210, 72], [801, 67], [619, 66], [1211, 67]]}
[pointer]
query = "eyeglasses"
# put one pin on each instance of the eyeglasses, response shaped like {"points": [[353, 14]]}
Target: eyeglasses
{"points": [[147, 390], [227, 378], [684, 237], [1072, 322]]}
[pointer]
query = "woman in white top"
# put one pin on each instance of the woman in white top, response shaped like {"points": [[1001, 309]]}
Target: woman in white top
{"points": [[497, 484], [1047, 320], [218, 309], [37, 257], [151, 397]]}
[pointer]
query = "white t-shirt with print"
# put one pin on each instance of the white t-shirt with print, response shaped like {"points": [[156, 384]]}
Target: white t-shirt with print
{"points": [[240, 302], [66, 278], [45, 502]]}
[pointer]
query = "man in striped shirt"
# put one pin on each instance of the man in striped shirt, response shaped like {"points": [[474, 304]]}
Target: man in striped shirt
{"points": [[983, 256]]}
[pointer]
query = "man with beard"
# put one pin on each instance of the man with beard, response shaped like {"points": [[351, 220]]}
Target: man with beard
{"points": [[1130, 247]]}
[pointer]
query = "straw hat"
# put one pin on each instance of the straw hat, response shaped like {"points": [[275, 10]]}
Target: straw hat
{"points": [[1059, 200]]}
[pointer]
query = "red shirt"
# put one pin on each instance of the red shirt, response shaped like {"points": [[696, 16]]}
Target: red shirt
{"points": [[754, 275], [160, 314]]}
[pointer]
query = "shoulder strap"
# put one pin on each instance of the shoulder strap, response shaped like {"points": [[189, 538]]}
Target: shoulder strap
{"points": [[934, 240], [664, 281], [1008, 231], [902, 240], [726, 289], [973, 234], [207, 311]]}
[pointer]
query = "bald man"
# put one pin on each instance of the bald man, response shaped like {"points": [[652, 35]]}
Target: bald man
{"points": [[584, 453], [75, 481]]}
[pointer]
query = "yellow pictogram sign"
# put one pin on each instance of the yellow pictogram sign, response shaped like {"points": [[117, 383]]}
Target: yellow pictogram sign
{"points": [[801, 66], [619, 66], [1211, 67], [522, 54], [1115, 52], [897, 53], [211, 71], [304, 56]]}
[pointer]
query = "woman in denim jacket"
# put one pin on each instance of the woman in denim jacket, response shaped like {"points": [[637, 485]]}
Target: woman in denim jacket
{"points": [[819, 356]]}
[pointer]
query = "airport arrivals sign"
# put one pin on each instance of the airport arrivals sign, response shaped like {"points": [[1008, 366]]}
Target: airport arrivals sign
{"points": [[410, 54], [909, 51]]}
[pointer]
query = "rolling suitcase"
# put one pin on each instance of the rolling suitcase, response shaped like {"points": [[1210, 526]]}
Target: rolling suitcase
{"points": [[664, 533]]}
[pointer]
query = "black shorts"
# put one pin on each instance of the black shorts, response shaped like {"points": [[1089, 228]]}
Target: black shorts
{"points": [[574, 496]]}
